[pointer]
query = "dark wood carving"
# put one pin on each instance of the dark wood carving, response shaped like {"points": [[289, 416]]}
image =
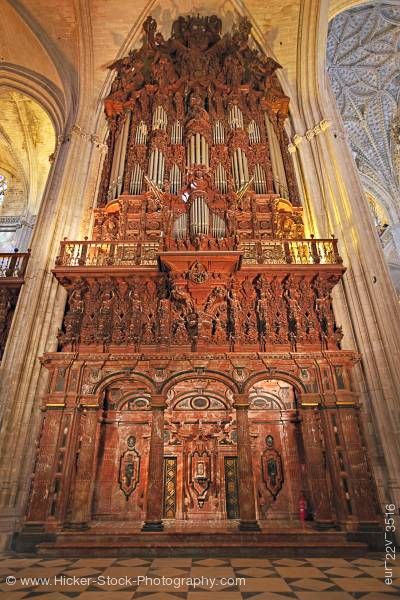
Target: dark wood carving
{"points": [[197, 292], [272, 469], [129, 471]]}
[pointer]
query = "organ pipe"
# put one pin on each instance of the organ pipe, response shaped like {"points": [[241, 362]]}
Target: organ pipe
{"points": [[278, 169], [176, 133], [240, 168], [254, 133], [136, 180], [221, 182], [175, 178], [160, 119], [156, 167], [141, 133], [199, 216], [218, 133], [197, 151], [235, 117], [180, 227], [260, 182]]}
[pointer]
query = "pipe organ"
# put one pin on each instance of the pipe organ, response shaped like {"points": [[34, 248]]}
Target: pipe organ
{"points": [[229, 125], [197, 277], [196, 143]]}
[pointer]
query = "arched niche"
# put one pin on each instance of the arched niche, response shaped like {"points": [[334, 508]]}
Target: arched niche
{"points": [[120, 483]]}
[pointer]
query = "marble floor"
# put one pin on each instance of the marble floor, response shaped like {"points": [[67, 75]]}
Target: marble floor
{"points": [[196, 579]]}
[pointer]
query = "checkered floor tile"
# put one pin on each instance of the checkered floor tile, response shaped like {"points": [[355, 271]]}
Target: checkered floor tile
{"points": [[196, 579]]}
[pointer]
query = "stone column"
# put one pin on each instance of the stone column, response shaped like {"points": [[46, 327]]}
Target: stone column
{"points": [[366, 304], [38, 314], [316, 468], [247, 503], [86, 454], [155, 491]]}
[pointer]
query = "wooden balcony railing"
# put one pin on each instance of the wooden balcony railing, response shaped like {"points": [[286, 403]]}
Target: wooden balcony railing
{"points": [[12, 271], [107, 254], [295, 252], [13, 265], [125, 253]]}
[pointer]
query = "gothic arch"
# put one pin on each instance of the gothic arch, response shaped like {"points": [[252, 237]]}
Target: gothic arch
{"points": [[39, 88]]}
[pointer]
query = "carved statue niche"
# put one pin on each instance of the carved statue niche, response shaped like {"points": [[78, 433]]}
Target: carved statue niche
{"points": [[271, 468], [323, 309], [249, 304], [107, 301], [129, 468], [74, 316], [200, 474], [136, 318]]}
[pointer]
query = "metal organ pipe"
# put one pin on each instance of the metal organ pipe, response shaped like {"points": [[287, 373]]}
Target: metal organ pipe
{"points": [[156, 167], [160, 119], [175, 179], [278, 169], [197, 150], [122, 154], [240, 168], [141, 133], [199, 216], [254, 133], [176, 133], [136, 180], [235, 117], [260, 182], [218, 226], [220, 179], [218, 133], [179, 227], [112, 192]]}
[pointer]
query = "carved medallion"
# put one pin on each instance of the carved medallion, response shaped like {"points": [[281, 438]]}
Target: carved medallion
{"points": [[271, 468], [198, 272], [129, 469]]}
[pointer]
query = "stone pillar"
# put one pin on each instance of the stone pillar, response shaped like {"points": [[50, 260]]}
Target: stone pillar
{"points": [[86, 455], [38, 314], [155, 491], [316, 467], [366, 304], [247, 503]]}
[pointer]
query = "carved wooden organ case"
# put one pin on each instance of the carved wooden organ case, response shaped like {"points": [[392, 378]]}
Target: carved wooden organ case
{"points": [[199, 265]]}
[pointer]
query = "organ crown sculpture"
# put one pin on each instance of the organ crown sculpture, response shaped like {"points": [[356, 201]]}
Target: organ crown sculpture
{"points": [[199, 373]]}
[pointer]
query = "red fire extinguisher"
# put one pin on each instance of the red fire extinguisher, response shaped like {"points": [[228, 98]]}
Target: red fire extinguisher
{"points": [[303, 509]]}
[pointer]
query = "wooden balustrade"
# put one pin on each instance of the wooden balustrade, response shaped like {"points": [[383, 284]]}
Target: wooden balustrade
{"points": [[13, 264], [124, 253], [107, 254], [12, 271]]}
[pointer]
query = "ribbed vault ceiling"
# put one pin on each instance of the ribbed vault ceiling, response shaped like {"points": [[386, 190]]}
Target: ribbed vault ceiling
{"points": [[363, 57]]}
